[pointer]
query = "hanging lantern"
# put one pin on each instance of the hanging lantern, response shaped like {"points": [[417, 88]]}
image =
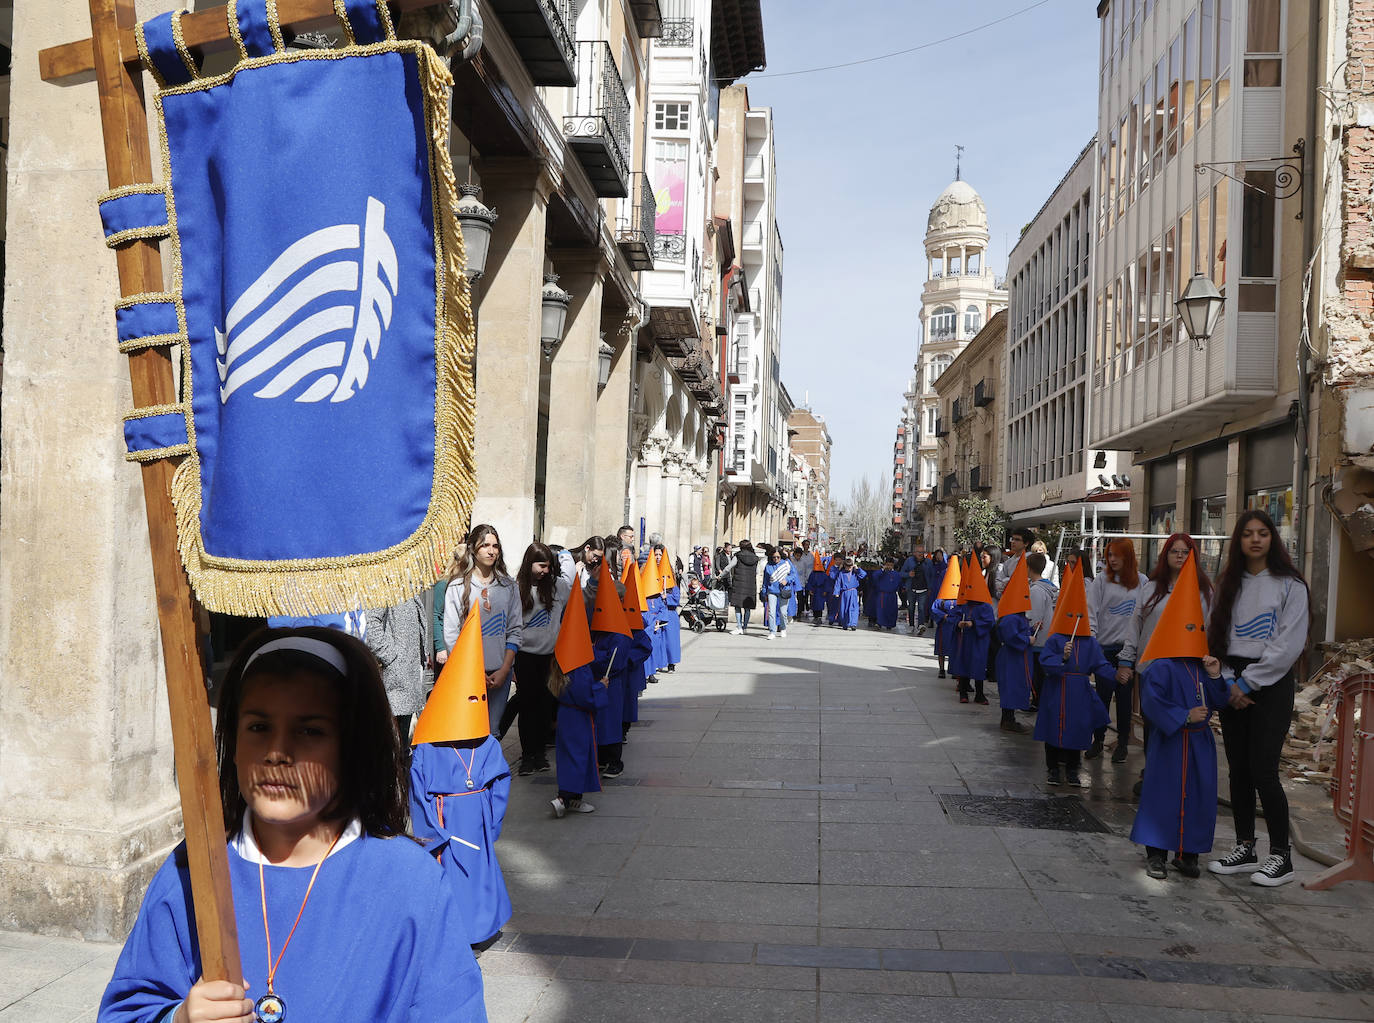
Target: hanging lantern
{"points": [[1200, 307], [604, 354], [554, 314], [475, 220]]}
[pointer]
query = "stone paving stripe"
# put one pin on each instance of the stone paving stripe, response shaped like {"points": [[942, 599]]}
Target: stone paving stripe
{"points": [[683, 951], [943, 960], [819, 956], [582, 946], [1049, 963]]}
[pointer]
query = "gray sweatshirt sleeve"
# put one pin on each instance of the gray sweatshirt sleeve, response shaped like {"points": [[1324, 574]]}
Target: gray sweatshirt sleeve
{"points": [[453, 610], [1130, 647], [515, 617], [1290, 638]]}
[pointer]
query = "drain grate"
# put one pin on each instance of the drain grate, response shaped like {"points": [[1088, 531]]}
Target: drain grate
{"points": [[1047, 814]]}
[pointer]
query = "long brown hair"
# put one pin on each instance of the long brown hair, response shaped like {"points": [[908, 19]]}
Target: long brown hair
{"points": [[1130, 568], [1276, 561], [465, 563], [528, 587], [374, 781], [1161, 574]]}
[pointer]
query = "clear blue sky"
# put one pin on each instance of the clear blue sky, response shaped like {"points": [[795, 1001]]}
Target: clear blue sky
{"points": [[862, 153]]}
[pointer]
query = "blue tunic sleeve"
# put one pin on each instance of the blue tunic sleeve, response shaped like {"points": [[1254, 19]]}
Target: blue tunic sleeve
{"points": [[1014, 632], [1161, 696], [159, 962], [1052, 654]]}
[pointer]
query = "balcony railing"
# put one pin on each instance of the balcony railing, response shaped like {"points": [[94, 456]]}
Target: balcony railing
{"points": [[956, 412], [976, 480], [670, 248], [634, 223], [941, 430], [598, 126], [541, 32], [950, 485], [944, 335], [982, 394], [679, 27]]}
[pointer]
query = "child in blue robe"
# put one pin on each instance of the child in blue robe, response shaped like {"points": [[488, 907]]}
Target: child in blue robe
{"points": [[1178, 800], [1014, 667], [458, 797], [672, 630], [581, 696], [1070, 709], [612, 662], [847, 581], [818, 584], [886, 583], [413, 961], [973, 624]]}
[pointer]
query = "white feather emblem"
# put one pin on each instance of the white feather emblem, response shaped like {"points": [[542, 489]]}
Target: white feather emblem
{"points": [[315, 355]]}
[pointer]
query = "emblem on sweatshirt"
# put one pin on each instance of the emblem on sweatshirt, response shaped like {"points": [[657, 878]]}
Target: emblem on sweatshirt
{"points": [[1124, 608], [1261, 626], [311, 324]]}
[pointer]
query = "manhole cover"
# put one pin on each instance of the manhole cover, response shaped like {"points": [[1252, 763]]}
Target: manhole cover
{"points": [[1020, 812]]}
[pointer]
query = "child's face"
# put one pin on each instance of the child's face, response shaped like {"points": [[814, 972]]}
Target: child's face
{"points": [[287, 755], [538, 569], [487, 551]]}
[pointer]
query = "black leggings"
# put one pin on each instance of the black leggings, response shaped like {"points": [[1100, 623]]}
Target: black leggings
{"points": [[537, 705], [1253, 738], [1118, 691]]}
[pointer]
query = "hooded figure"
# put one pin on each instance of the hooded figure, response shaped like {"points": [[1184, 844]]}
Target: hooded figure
{"points": [[940, 608], [460, 785], [651, 587], [1070, 709], [580, 695], [1178, 800], [641, 651], [818, 585], [846, 591], [672, 600], [886, 582], [611, 643], [1014, 667], [973, 619]]}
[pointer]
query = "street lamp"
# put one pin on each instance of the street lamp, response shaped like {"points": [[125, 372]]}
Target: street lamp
{"points": [[1200, 306], [554, 314], [604, 354], [475, 220]]}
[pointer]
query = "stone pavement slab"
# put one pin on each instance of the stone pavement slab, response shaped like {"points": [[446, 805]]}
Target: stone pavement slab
{"points": [[777, 850]]}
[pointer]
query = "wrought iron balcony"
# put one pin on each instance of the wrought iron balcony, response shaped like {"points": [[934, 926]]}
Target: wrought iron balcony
{"points": [[634, 223], [678, 31], [976, 480], [670, 248], [982, 394], [940, 429], [542, 33], [598, 125], [948, 334], [956, 411], [950, 485], [648, 17]]}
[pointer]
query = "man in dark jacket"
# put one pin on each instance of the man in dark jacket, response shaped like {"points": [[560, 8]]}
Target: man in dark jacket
{"points": [[744, 584]]}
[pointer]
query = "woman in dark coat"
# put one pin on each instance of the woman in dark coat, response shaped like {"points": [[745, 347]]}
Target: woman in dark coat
{"points": [[744, 584]]}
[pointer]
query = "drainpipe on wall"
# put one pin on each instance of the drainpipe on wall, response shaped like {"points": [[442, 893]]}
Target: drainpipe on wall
{"points": [[1309, 220]]}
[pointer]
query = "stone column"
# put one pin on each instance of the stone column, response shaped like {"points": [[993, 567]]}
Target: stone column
{"points": [[88, 806], [687, 524], [508, 358], [701, 529], [612, 483], [570, 472], [671, 524], [650, 484]]}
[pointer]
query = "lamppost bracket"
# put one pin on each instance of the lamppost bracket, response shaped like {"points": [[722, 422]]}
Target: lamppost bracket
{"points": [[1288, 176]]}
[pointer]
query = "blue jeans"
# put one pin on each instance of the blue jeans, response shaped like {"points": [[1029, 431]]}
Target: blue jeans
{"points": [[496, 705], [742, 618], [777, 613]]}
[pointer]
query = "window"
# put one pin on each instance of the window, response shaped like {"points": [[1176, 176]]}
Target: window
{"points": [[938, 365], [672, 116], [931, 414], [1269, 478], [1207, 45], [1257, 225], [944, 322], [972, 320], [1171, 148], [1223, 87]]}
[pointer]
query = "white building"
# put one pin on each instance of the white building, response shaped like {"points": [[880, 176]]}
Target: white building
{"points": [[1051, 474], [960, 295]]}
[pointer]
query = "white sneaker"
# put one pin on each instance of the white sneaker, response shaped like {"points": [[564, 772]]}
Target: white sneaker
{"points": [[581, 806], [771, 635], [737, 631], [559, 807], [1277, 869], [782, 634]]}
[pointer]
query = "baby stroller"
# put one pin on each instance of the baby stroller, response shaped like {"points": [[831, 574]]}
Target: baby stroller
{"points": [[704, 607]]}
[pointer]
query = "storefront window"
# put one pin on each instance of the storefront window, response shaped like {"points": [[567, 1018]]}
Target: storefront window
{"points": [[1269, 479], [1207, 516], [1162, 518]]}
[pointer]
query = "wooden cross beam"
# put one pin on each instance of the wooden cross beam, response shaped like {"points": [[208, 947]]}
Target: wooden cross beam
{"points": [[111, 53]]}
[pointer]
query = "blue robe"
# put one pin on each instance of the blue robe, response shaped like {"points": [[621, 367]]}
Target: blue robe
{"points": [[443, 811], [655, 623], [818, 584], [832, 600], [672, 630], [847, 596], [968, 657], [1015, 662], [1178, 799], [608, 719], [886, 583], [941, 610], [636, 681], [1070, 709], [575, 752], [380, 940]]}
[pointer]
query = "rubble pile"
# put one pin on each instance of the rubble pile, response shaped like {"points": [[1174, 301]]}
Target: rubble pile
{"points": [[1309, 753]]}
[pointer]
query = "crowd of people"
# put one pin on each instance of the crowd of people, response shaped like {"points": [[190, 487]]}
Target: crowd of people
{"points": [[329, 748]]}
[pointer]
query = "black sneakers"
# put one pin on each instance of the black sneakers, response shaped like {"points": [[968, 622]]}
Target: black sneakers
{"points": [[1094, 751], [1052, 777], [1071, 778], [1186, 864], [1154, 866], [1276, 869], [1239, 860]]}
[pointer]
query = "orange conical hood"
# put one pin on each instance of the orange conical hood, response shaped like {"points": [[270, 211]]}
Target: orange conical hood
{"points": [[1180, 631], [817, 563], [1071, 616], [625, 569], [973, 587], [457, 708], [665, 569], [650, 584], [574, 645], [1016, 597], [633, 603], [608, 615], [949, 587]]}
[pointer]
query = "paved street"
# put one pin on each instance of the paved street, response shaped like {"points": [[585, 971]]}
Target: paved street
{"points": [[780, 848]]}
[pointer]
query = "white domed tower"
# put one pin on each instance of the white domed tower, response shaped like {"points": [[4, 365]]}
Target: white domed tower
{"points": [[960, 295]]}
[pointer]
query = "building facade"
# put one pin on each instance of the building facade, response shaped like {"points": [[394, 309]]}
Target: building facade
{"points": [[960, 295], [970, 431], [810, 441], [1052, 477]]}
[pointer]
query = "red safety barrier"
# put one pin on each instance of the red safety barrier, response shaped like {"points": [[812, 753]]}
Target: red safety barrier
{"points": [[1352, 788]]}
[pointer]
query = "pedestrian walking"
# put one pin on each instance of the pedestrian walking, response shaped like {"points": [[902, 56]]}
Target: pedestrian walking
{"points": [[580, 694], [543, 583], [946, 594], [480, 577], [848, 579], [1044, 595], [1259, 629], [1112, 603], [777, 587], [396, 637], [309, 814], [744, 584], [611, 642], [1014, 658], [974, 619]]}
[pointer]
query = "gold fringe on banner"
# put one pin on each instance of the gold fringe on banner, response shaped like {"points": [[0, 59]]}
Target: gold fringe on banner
{"points": [[388, 577]]}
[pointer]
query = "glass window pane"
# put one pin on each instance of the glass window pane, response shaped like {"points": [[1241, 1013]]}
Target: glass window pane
{"points": [[1220, 199], [1188, 75], [1257, 225], [1223, 87], [1171, 146], [1262, 73], [1262, 26], [1166, 292], [1207, 45]]}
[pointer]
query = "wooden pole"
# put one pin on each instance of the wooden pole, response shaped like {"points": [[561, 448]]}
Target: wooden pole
{"points": [[124, 126]]}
